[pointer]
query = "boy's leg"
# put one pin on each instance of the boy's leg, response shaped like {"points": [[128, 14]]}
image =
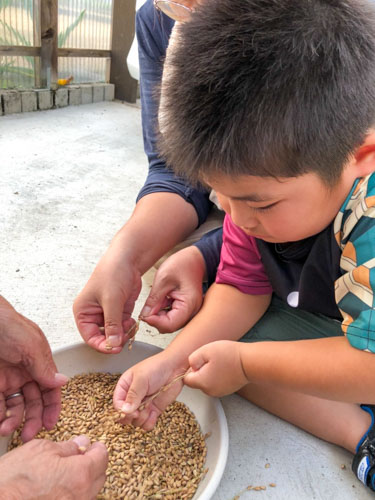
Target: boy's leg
{"points": [[339, 423], [343, 424], [282, 322]]}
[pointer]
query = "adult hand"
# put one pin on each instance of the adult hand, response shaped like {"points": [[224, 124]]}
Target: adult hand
{"points": [[217, 368], [107, 302], [176, 294], [69, 470], [26, 366], [142, 381]]}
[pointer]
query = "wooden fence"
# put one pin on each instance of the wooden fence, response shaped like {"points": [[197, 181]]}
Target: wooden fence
{"points": [[123, 15]]}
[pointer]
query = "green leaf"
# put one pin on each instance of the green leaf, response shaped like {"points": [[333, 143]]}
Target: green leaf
{"points": [[64, 35], [17, 70], [16, 34]]}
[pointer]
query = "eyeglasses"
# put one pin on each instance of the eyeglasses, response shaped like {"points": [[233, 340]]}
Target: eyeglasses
{"points": [[175, 10]]}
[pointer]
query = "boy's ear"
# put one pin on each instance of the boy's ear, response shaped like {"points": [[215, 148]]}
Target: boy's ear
{"points": [[365, 156]]}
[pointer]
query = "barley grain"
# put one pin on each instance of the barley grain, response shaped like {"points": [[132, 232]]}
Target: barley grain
{"points": [[166, 463]]}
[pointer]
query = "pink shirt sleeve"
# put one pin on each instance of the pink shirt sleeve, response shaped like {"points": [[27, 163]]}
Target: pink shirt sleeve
{"points": [[240, 262]]}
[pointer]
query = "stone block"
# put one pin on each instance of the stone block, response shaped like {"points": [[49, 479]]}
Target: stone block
{"points": [[61, 98], [28, 101], [75, 96], [98, 92], [86, 94], [109, 91], [45, 99], [11, 101]]}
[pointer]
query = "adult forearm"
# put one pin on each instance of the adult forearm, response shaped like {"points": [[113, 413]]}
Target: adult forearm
{"points": [[158, 223], [328, 368]]}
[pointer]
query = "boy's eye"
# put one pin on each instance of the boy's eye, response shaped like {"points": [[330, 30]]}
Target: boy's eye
{"points": [[264, 209]]}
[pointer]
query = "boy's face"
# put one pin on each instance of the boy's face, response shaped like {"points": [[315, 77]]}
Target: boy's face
{"points": [[284, 209]]}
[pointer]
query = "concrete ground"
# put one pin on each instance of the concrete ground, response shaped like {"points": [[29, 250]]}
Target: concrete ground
{"points": [[68, 181]]}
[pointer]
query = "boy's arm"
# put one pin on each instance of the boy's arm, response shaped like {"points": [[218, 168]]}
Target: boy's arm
{"points": [[328, 368], [226, 314]]}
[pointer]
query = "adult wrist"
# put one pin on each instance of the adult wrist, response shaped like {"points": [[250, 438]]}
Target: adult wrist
{"points": [[198, 262]]}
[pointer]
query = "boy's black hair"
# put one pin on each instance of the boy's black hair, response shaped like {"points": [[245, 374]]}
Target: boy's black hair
{"points": [[269, 88]]}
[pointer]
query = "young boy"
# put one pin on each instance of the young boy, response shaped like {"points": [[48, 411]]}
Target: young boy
{"points": [[271, 104]]}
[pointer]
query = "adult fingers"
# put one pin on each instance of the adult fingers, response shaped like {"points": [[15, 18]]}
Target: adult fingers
{"points": [[75, 446], [88, 316], [98, 454], [113, 306], [36, 356], [3, 407], [158, 297], [51, 407], [173, 319], [33, 411], [13, 415], [97, 340]]}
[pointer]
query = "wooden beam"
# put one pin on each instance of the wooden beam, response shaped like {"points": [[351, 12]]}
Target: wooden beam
{"points": [[48, 50], [19, 50], [24, 50], [123, 21], [83, 53]]}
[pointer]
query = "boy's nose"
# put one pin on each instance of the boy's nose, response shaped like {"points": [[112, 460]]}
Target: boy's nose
{"points": [[242, 218]]}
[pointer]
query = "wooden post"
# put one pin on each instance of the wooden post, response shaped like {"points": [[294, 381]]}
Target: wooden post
{"points": [[48, 51], [36, 41], [123, 17]]}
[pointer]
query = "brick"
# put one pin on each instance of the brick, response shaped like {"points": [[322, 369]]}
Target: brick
{"points": [[11, 101], [45, 99], [61, 98], [98, 92], [86, 94], [28, 101], [109, 91], [75, 96]]}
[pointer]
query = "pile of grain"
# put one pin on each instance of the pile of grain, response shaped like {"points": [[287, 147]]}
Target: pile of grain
{"points": [[166, 463]]}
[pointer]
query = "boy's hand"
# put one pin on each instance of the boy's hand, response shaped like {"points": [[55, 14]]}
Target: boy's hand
{"points": [[142, 381], [217, 368], [108, 301], [176, 293]]}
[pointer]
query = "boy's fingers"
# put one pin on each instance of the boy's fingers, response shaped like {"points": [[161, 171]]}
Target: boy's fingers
{"points": [[197, 359], [129, 392]]}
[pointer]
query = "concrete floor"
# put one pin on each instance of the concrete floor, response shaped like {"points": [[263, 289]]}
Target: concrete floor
{"points": [[69, 179]]}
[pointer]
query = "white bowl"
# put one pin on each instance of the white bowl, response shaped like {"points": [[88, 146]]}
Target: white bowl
{"points": [[79, 358]]}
